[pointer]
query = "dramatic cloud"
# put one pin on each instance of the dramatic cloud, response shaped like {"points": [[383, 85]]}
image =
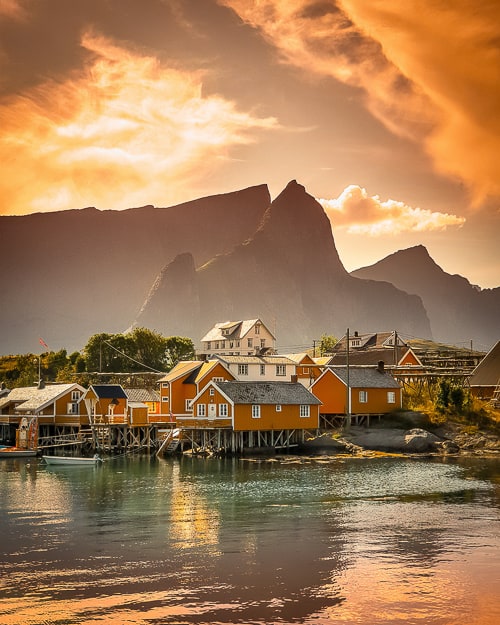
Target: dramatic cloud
{"points": [[126, 131], [430, 71], [360, 213]]}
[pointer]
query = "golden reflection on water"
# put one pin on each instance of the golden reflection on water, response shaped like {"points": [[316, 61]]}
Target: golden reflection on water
{"points": [[193, 522], [392, 593]]}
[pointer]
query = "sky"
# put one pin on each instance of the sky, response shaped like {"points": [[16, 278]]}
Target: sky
{"points": [[386, 111]]}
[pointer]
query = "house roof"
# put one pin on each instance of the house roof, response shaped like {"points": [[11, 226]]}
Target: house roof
{"points": [[365, 377], [32, 398], [299, 358], [109, 391], [267, 393], [487, 372], [370, 356], [233, 330], [183, 367], [255, 360], [368, 340], [142, 395]]}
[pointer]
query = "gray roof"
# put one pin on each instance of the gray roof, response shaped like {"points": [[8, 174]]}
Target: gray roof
{"points": [[255, 360], [142, 394], [487, 372], [33, 398], [365, 377], [267, 393], [370, 356], [236, 330]]}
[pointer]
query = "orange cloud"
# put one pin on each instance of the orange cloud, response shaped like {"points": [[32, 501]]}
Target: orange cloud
{"points": [[428, 71], [124, 132], [360, 213], [12, 9]]}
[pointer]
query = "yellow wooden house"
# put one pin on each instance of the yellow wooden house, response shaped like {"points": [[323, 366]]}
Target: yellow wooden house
{"points": [[357, 390], [181, 385]]}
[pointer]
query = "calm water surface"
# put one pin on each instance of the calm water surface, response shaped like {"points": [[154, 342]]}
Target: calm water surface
{"points": [[182, 541]]}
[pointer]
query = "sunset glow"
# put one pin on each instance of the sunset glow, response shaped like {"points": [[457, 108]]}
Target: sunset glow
{"points": [[387, 111]]}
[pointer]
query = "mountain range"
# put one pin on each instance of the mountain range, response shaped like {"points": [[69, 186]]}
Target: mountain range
{"points": [[179, 270]]}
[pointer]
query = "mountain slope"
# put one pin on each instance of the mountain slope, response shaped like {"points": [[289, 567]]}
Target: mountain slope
{"points": [[68, 275], [289, 274], [459, 312]]}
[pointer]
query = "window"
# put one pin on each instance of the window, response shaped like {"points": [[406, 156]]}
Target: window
{"points": [[250, 342], [201, 410], [217, 379], [242, 369], [262, 343], [164, 398], [255, 411], [257, 328], [75, 395], [164, 385], [188, 405], [363, 397], [304, 410], [209, 345], [212, 391], [223, 410], [280, 369], [73, 408], [391, 397], [278, 407], [262, 369]]}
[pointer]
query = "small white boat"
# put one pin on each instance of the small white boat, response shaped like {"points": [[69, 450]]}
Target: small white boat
{"points": [[16, 452], [72, 460]]}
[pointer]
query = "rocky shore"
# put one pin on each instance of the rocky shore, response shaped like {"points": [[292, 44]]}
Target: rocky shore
{"points": [[449, 438]]}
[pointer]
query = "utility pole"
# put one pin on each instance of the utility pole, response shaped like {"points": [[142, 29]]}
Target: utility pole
{"points": [[348, 416]]}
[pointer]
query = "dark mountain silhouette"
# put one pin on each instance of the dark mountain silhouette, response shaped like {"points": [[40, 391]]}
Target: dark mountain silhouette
{"points": [[68, 275], [179, 270], [288, 274], [459, 311]]}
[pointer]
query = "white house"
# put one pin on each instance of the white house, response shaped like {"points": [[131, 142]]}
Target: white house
{"points": [[238, 338]]}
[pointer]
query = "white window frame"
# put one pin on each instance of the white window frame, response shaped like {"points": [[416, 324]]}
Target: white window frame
{"points": [[223, 411], [391, 397], [201, 410], [72, 407], [212, 392], [255, 411], [75, 395], [250, 342], [363, 397], [278, 407], [280, 370], [305, 410], [188, 405], [242, 369]]}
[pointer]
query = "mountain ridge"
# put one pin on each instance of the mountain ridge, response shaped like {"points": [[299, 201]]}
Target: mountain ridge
{"points": [[71, 274], [459, 311]]}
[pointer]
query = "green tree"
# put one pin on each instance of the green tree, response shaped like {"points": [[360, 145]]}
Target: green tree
{"points": [[327, 343], [178, 348], [443, 395]]}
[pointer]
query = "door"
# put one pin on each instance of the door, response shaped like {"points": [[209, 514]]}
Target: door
{"points": [[212, 411]]}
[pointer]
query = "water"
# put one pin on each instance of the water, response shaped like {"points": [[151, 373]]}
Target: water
{"points": [[184, 541]]}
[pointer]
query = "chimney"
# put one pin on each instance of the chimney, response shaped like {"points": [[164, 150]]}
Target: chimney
{"points": [[380, 366]]}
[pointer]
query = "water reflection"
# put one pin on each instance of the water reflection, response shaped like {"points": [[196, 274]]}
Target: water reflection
{"points": [[231, 541]]}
